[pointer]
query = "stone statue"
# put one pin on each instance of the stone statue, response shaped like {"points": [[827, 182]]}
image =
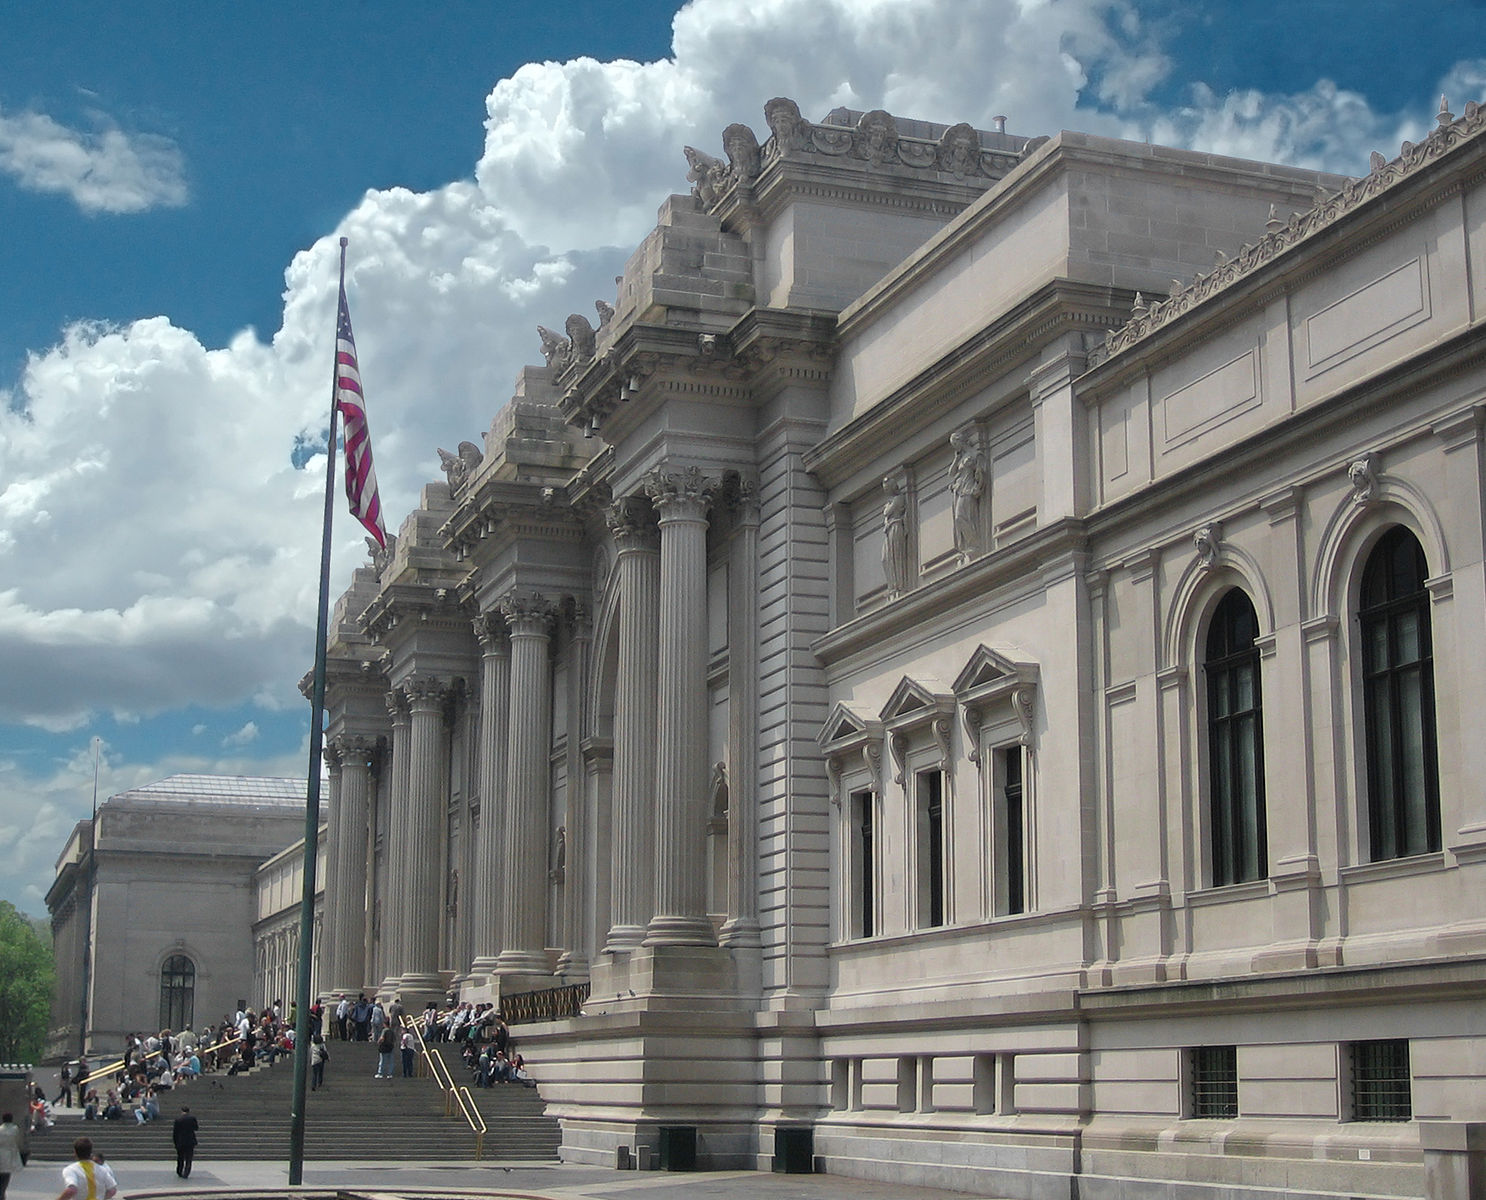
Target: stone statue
{"points": [[791, 131], [708, 175], [1362, 473], [459, 467], [556, 350], [741, 147], [895, 535], [959, 150], [966, 483], [605, 311], [580, 336], [1205, 541], [877, 136]]}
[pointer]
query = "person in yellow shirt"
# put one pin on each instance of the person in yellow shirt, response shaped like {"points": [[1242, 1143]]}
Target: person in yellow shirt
{"points": [[86, 1179]]}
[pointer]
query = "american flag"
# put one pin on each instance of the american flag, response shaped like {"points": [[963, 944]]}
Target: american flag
{"points": [[361, 477]]}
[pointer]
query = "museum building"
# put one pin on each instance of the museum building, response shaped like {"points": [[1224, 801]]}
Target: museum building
{"points": [[957, 673]]}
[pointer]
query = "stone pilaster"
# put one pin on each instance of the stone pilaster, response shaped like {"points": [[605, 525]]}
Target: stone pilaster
{"points": [[495, 714], [681, 773], [345, 887], [742, 927], [427, 771], [637, 564], [528, 785], [392, 927]]}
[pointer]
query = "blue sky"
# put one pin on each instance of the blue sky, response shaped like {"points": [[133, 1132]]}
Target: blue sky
{"points": [[173, 177]]}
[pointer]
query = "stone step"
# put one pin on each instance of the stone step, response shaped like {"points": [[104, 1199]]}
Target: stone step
{"points": [[355, 1115]]}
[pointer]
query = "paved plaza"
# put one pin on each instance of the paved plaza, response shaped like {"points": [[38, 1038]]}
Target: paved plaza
{"points": [[490, 1181]]}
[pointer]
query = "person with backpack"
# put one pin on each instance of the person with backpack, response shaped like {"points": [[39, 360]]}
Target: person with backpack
{"points": [[385, 1045], [319, 1056]]}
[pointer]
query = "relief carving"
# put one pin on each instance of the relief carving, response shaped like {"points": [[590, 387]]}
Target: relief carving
{"points": [[895, 535], [1362, 473]]}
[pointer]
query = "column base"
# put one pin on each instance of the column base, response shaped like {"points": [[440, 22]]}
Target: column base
{"points": [[741, 932], [624, 938], [523, 962], [415, 990], [680, 931]]}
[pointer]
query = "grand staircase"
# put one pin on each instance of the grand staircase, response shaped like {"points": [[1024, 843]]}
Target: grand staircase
{"points": [[354, 1116]]}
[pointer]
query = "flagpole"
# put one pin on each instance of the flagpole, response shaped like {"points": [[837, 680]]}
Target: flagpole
{"points": [[312, 803]]}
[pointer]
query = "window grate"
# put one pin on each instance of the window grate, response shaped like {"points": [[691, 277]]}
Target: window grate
{"points": [[1215, 1081], [1382, 1088]]}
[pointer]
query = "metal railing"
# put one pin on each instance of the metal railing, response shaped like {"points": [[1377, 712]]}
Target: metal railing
{"points": [[117, 1065], [432, 1062], [549, 1004]]}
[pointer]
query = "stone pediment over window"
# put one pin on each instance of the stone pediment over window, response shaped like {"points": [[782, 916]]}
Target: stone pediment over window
{"points": [[845, 735], [918, 707], [994, 686]]}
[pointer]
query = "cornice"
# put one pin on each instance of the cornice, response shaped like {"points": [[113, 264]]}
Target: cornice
{"points": [[1305, 231], [1014, 335], [431, 606], [1023, 560]]}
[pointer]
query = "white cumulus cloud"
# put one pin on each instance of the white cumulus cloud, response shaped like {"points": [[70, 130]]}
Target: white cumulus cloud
{"points": [[103, 170]]}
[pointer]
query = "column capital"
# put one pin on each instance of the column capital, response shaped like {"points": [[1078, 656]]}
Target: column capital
{"points": [[632, 522], [397, 705], [331, 753], [742, 498], [682, 495], [578, 616], [493, 634], [528, 615], [425, 692], [353, 749]]}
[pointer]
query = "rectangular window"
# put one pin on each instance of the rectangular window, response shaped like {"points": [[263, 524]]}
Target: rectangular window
{"points": [[1382, 1086], [864, 866], [931, 848], [1011, 865], [1214, 1081]]}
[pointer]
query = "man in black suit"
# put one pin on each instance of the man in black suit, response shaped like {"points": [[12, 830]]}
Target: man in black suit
{"points": [[184, 1137]]}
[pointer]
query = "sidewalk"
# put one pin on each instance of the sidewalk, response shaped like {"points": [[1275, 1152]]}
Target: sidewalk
{"points": [[489, 1181]]}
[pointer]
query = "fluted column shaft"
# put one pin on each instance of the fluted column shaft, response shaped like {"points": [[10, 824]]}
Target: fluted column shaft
{"points": [[528, 767], [637, 565], [495, 714], [742, 928], [424, 824], [335, 866], [681, 772], [394, 901], [345, 884]]}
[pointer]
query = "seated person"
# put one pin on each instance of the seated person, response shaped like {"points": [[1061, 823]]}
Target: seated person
{"points": [[90, 1105], [113, 1108]]}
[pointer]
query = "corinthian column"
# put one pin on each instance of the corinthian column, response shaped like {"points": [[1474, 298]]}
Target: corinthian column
{"points": [[575, 880], [495, 714], [424, 825], [637, 566], [681, 713], [523, 868], [345, 885], [394, 900]]}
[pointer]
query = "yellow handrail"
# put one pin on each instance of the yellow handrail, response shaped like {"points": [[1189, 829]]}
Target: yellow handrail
{"points": [[114, 1066], [472, 1115], [452, 1092]]}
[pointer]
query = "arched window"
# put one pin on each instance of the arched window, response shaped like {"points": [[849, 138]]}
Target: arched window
{"points": [[177, 993], [1403, 789], [1235, 737]]}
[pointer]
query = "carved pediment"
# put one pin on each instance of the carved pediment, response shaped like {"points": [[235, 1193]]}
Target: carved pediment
{"points": [[913, 701], [987, 669], [992, 680], [846, 733]]}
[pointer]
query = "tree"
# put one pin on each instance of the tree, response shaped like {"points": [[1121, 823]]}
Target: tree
{"points": [[26, 980]]}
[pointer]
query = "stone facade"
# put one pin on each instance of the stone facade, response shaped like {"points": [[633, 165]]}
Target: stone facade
{"points": [[166, 900], [964, 664]]}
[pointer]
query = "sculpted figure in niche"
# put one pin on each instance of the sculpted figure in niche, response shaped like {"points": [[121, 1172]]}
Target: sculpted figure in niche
{"points": [[790, 130], [741, 147], [877, 136], [966, 483], [580, 336], [895, 535], [707, 174], [959, 150]]}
